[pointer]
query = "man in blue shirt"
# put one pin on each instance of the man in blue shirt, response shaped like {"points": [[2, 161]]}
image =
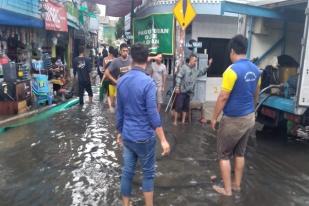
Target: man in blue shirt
{"points": [[137, 121], [239, 90]]}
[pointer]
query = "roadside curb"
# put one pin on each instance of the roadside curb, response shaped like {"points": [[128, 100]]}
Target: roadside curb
{"points": [[27, 114]]}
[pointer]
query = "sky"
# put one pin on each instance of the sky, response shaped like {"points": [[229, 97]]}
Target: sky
{"points": [[102, 9]]}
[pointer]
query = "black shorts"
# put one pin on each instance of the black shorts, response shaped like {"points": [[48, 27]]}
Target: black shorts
{"points": [[182, 102]]}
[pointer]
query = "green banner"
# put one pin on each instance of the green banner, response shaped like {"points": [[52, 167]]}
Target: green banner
{"points": [[72, 10], [156, 31]]}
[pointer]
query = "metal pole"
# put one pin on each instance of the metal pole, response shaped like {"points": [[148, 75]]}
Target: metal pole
{"points": [[250, 31], [180, 42], [284, 30], [132, 15]]}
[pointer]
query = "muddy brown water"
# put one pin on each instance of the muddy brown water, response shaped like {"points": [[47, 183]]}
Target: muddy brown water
{"points": [[72, 159]]}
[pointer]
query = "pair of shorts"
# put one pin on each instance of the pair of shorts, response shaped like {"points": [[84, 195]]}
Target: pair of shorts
{"points": [[182, 102], [160, 96], [82, 87], [233, 136], [112, 90]]}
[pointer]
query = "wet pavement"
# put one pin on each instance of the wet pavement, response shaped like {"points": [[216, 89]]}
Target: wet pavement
{"points": [[72, 159]]}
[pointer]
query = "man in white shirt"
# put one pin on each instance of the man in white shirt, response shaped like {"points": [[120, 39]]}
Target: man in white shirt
{"points": [[159, 74]]}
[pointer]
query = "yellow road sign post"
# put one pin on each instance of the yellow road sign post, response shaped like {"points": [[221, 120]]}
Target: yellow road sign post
{"points": [[184, 12]]}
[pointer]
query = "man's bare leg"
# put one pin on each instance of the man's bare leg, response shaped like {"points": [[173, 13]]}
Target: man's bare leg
{"points": [[184, 115], [125, 201], [225, 168], [203, 116], [148, 198], [175, 118], [159, 107], [90, 99], [111, 103], [239, 170]]}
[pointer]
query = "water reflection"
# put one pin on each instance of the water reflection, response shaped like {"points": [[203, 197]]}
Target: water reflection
{"points": [[72, 159]]}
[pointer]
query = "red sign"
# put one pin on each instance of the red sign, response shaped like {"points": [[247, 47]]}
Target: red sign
{"points": [[56, 17]]}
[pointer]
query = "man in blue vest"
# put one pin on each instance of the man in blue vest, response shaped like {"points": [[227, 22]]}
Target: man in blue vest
{"points": [[239, 92], [137, 120]]}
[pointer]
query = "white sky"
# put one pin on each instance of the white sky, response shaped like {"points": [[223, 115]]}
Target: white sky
{"points": [[102, 9]]}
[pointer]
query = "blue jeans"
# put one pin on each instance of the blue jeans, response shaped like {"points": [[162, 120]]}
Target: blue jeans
{"points": [[145, 152]]}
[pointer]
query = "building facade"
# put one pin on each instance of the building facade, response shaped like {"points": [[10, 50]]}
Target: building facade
{"points": [[210, 29]]}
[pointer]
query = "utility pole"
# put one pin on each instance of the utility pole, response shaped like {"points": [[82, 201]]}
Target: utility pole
{"points": [[184, 14], [180, 43], [132, 16]]}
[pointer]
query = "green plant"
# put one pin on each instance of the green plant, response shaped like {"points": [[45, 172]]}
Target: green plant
{"points": [[119, 28]]}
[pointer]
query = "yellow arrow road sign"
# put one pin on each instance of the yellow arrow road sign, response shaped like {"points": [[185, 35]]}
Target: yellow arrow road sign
{"points": [[183, 15]]}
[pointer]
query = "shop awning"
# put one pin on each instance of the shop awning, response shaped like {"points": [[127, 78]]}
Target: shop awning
{"points": [[16, 19], [73, 24], [118, 8]]}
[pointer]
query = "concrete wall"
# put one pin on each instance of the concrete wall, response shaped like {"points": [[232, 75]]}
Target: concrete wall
{"points": [[213, 26]]}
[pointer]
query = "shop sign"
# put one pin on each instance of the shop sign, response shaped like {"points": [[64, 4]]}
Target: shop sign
{"points": [[156, 31], [56, 17], [194, 45]]}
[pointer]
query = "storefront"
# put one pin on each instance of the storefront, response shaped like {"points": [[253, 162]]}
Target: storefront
{"points": [[18, 45], [57, 26]]}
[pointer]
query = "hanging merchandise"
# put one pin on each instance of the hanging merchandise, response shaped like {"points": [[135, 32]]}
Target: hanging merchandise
{"points": [[26, 70], [55, 41], [1, 71], [53, 53], [20, 72], [37, 65], [47, 63], [9, 72], [3, 58], [23, 36]]}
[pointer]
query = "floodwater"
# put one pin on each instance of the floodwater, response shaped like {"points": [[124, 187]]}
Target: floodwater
{"points": [[72, 159]]}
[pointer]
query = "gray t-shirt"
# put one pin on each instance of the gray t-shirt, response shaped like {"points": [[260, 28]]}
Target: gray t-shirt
{"points": [[158, 73], [119, 66]]}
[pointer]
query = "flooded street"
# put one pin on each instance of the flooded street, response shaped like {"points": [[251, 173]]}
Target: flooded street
{"points": [[72, 159]]}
